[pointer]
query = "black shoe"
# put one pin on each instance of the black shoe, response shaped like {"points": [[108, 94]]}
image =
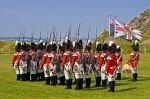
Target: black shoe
{"points": [[18, 77], [118, 76]]}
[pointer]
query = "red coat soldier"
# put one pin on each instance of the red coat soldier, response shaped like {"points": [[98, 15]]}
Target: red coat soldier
{"points": [[134, 59], [16, 59], [119, 62], [111, 66]]}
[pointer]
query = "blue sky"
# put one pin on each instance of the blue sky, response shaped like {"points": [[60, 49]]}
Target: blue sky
{"points": [[40, 15]]}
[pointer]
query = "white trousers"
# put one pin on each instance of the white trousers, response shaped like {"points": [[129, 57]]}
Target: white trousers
{"points": [[16, 67], [23, 67], [103, 74]]}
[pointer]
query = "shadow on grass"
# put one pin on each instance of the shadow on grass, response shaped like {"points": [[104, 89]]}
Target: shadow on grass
{"points": [[127, 89], [120, 84], [143, 78]]}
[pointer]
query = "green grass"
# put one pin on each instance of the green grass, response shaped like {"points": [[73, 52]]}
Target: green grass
{"points": [[125, 89]]}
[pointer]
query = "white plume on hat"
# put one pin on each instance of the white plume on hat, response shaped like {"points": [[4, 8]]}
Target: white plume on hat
{"points": [[73, 43], [97, 43], [89, 41], [16, 43], [118, 46], [136, 42], [110, 43], [66, 39]]}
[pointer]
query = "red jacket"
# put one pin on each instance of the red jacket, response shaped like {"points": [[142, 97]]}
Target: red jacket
{"points": [[134, 59], [111, 64], [16, 58], [46, 59], [66, 58], [102, 59], [75, 57]]}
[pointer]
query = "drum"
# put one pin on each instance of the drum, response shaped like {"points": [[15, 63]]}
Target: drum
{"points": [[126, 69]]}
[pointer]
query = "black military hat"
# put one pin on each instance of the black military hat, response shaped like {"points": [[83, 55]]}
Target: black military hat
{"points": [[112, 47], [105, 47], [48, 47], [135, 46], [69, 45], [23, 46], [54, 47], [40, 46], [98, 47], [79, 45], [33, 46], [18, 46], [88, 45]]}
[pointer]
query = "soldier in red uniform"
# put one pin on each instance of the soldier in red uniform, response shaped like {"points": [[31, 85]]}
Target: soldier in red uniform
{"points": [[111, 66], [97, 69], [119, 62], [16, 59], [77, 63], [66, 63], [87, 57], [46, 59], [134, 59], [39, 54], [102, 64], [53, 63], [33, 62]]}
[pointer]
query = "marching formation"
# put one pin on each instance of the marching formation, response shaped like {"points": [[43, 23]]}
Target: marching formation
{"points": [[69, 61]]}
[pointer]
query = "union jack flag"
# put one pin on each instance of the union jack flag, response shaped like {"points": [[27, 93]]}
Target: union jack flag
{"points": [[125, 31]]}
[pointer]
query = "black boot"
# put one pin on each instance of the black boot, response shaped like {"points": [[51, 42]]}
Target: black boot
{"points": [[69, 83], [118, 76], [135, 77], [81, 83], [55, 80], [28, 76], [42, 76], [112, 86], [77, 84], [88, 82], [23, 77], [104, 83], [47, 79], [98, 81], [18, 77], [62, 80], [32, 77]]}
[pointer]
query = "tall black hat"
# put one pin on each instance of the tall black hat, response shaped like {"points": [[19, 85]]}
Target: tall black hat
{"points": [[98, 47], [88, 45], [105, 47], [79, 45], [18, 46], [135, 46], [112, 47]]}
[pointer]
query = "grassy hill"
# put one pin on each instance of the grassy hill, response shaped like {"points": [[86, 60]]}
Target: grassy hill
{"points": [[141, 22]]}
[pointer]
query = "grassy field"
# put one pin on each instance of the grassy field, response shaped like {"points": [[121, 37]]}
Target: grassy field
{"points": [[125, 89]]}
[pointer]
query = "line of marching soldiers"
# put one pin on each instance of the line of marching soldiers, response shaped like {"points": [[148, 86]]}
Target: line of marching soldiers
{"points": [[51, 61]]}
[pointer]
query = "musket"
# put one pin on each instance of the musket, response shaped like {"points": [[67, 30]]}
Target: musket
{"points": [[95, 41], [32, 34], [40, 36], [19, 36], [78, 33]]}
